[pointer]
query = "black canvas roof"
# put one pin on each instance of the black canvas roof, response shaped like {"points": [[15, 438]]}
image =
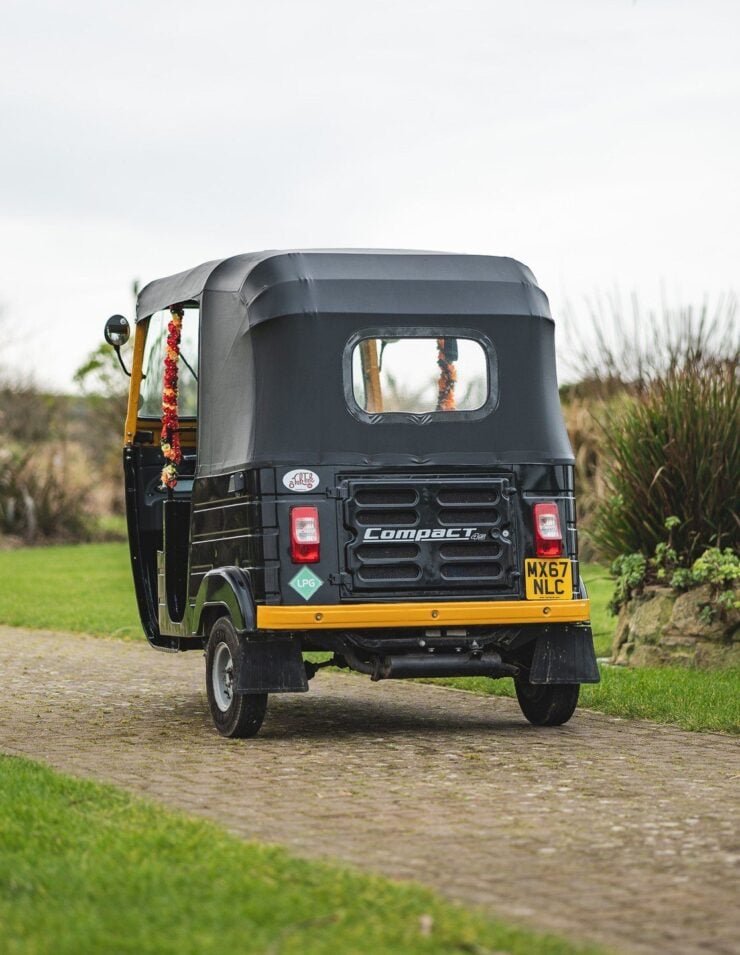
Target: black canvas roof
{"points": [[276, 332], [273, 283]]}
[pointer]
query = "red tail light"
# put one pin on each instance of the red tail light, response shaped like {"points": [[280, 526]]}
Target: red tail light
{"points": [[305, 535], [548, 539]]}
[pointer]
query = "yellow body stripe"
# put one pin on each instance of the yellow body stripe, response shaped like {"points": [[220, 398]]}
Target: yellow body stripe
{"points": [[473, 613]]}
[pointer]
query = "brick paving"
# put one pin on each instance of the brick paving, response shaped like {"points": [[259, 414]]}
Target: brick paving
{"points": [[615, 831]]}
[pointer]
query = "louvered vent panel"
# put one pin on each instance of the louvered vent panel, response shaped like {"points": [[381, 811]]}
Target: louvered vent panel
{"points": [[421, 538]]}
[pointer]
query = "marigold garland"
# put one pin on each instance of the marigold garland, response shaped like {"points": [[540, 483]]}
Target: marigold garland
{"points": [[448, 375], [170, 440]]}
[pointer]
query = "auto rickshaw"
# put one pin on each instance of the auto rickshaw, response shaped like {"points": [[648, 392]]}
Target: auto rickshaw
{"points": [[359, 452]]}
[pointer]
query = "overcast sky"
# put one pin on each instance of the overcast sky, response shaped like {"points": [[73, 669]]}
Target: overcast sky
{"points": [[596, 140]]}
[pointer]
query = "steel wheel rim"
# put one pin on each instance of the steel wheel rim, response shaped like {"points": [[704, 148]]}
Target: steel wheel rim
{"points": [[222, 677]]}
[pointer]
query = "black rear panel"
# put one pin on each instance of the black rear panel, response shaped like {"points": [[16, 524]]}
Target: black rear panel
{"points": [[422, 537]]}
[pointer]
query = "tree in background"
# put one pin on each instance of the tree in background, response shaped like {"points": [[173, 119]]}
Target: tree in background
{"points": [[60, 467], [42, 487], [105, 387]]}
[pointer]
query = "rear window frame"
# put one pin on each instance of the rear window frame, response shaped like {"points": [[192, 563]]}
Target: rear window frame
{"points": [[424, 417]]}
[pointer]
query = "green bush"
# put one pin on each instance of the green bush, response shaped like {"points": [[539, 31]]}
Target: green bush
{"points": [[629, 572], [52, 460], [673, 449], [720, 569], [40, 497]]}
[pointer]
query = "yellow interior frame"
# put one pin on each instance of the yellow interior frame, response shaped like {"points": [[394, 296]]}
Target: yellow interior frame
{"points": [[134, 388]]}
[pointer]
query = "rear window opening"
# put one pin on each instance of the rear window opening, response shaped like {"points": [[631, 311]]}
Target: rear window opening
{"points": [[430, 374]]}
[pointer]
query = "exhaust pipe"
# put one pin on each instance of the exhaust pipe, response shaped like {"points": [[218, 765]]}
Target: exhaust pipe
{"points": [[404, 666]]}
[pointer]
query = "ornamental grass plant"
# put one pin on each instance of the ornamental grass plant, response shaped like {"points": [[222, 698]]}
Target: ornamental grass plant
{"points": [[619, 348], [652, 412], [673, 450]]}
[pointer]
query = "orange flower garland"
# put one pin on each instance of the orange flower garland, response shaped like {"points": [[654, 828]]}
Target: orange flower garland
{"points": [[170, 440], [448, 374]]}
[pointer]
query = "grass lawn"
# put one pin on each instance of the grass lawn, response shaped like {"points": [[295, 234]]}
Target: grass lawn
{"points": [[706, 700], [89, 869], [88, 588], [83, 587], [600, 586], [691, 699]]}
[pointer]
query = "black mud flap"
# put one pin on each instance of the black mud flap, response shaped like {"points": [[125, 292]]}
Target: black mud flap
{"points": [[564, 655], [271, 666]]}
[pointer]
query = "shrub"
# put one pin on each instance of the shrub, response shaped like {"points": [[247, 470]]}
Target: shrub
{"points": [[674, 450], [720, 569], [60, 455], [27, 415], [40, 498], [104, 390], [585, 438], [629, 571], [613, 349]]}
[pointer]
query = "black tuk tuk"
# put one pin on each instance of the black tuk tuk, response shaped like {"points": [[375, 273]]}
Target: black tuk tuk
{"points": [[359, 452]]}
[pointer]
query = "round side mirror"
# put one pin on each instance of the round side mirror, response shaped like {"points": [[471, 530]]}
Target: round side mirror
{"points": [[117, 331]]}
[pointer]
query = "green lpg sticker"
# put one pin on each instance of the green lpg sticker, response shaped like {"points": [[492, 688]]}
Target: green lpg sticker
{"points": [[306, 583]]}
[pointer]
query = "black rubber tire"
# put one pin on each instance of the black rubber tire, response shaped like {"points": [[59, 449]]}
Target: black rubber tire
{"points": [[549, 704], [245, 713]]}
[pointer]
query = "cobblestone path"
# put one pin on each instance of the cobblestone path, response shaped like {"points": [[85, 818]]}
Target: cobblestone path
{"points": [[616, 831]]}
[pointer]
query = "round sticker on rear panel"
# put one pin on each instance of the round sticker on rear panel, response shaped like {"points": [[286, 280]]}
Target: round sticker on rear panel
{"points": [[301, 480]]}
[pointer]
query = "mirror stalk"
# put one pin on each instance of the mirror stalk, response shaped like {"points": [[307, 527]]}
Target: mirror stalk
{"points": [[117, 350]]}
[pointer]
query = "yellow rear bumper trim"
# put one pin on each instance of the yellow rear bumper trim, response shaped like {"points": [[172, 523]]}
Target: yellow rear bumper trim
{"points": [[473, 613]]}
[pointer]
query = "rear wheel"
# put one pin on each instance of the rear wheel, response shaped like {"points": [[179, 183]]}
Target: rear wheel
{"points": [[237, 715], [547, 704]]}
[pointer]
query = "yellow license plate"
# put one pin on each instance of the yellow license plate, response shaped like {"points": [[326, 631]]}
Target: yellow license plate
{"points": [[548, 579]]}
